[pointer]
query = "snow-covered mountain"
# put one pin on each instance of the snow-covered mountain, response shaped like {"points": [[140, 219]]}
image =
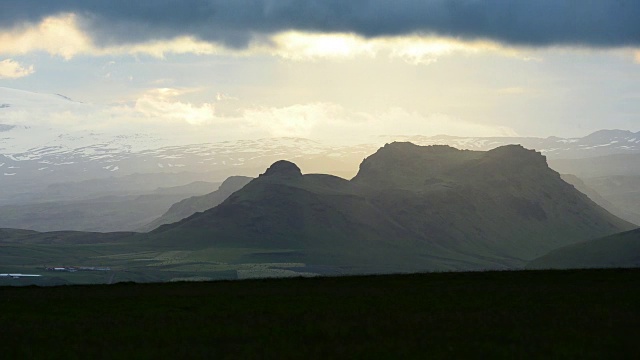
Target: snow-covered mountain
{"points": [[36, 152], [599, 143]]}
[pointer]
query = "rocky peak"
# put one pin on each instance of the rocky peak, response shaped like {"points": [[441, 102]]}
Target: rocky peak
{"points": [[283, 168], [516, 155]]}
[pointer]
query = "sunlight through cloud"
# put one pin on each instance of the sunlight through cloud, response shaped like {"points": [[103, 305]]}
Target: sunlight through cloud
{"points": [[62, 36], [161, 104], [11, 69]]}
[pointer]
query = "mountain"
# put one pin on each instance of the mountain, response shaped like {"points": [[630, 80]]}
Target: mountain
{"points": [[194, 204], [599, 143], [614, 251], [34, 170], [409, 208], [75, 158], [38, 149]]}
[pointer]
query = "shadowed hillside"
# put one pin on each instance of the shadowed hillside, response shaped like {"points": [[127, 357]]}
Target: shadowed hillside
{"points": [[615, 251], [409, 208], [194, 204]]}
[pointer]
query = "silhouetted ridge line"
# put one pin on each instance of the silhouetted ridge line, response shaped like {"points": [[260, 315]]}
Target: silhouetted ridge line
{"points": [[283, 168]]}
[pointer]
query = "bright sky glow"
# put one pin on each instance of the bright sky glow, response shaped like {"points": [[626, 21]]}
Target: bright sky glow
{"points": [[325, 85]]}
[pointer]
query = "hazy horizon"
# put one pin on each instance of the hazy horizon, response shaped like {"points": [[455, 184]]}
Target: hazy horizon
{"points": [[324, 70]]}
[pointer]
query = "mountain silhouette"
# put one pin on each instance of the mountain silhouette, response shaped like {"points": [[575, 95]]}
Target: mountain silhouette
{"points": [[409, 208]]}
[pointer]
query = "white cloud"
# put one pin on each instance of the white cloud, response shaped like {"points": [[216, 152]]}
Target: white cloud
{"points": [[11, 69], [59, 36], [301, 120], [515, 90], [161, 104], [303, 46], [327, 121], [161, 112], [413, 49], [398, 121]]}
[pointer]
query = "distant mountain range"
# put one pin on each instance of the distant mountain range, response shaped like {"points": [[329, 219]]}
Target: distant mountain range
{"points": [[36, 155], [33, 170], [415, 204], [409, 208], [66, 162]]}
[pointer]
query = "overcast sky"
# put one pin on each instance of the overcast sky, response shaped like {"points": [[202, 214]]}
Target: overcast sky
{"points": [[328, 69]]}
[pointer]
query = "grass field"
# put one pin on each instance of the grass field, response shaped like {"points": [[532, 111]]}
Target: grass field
{"points": [[133, 262], [526, 314]]}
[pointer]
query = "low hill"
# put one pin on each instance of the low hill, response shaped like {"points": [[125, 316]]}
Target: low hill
{"points": [[409, 208], [615, 251]]}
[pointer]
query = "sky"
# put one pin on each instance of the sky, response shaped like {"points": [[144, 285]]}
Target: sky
{"points": [[336, 70]]}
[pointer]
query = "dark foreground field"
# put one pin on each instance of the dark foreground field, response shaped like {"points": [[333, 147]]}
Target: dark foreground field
{"points": [[531, 314]]}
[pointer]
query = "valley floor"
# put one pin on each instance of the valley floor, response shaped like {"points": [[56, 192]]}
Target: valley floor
{"points": [[510, 314]]}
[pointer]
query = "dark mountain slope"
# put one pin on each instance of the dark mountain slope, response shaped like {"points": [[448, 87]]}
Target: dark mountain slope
{"points": [[615, 251], [321, 218], [505, 202], [409, 208], [194, 204]]}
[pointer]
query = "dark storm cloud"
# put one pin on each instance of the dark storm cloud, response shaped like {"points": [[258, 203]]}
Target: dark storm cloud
{"points": [[596, 23]]}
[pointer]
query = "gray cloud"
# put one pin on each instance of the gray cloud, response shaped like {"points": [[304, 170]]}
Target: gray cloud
{"points": [[593, 23]]}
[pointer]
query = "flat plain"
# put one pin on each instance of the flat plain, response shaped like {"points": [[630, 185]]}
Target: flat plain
{"points": [[508, 314]]}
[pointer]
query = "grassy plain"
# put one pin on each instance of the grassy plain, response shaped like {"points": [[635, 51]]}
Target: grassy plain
{"points": [[520, 314], [138, 262]]}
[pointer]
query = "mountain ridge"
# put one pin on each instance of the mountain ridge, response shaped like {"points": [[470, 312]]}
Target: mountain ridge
{"points": [[486, 210], [194, 204]]}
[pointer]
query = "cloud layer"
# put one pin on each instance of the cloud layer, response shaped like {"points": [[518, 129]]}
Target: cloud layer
{"points": [[162, 113], [238, 23], [11, 69]]}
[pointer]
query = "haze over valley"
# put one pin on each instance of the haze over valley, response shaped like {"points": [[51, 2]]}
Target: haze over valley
{"points": [[319, 179], [210, 141]]}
